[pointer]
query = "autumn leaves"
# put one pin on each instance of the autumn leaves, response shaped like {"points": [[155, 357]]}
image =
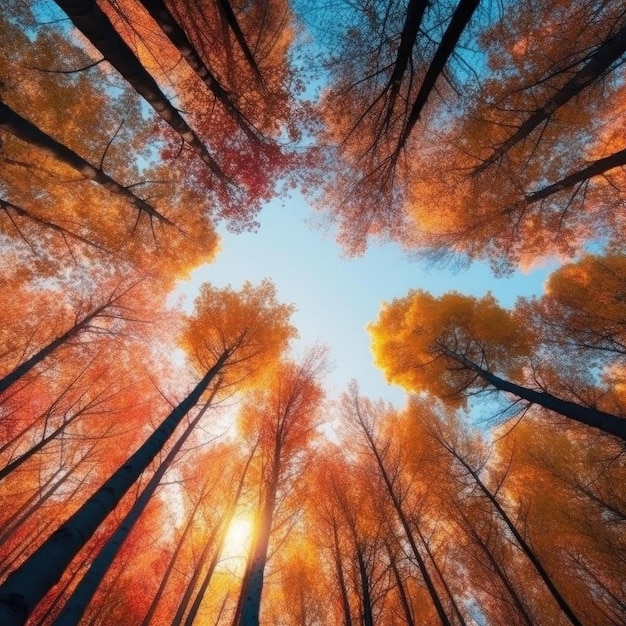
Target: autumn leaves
{"points": [[458, 131]]}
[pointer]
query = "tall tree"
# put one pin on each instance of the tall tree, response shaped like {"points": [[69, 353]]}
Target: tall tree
{"points": [[361, 413], [456, 343], [96, 26], [286, 416], [252, 325]]}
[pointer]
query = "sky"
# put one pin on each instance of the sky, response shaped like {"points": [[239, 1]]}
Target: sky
{"points": [[337, 297]]}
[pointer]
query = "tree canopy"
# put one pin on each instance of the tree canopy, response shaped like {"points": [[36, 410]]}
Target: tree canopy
{"points": [[169, 463]]}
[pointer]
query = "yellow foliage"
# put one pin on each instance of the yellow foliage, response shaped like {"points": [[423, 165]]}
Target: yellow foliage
{"points": [[250, 323], [415, 338]]}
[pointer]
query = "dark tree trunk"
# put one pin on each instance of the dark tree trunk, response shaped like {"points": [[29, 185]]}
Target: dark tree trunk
{"points": [[9, 206], [77, 603], [231, 19], [162, 16], [223, 527], [605, 56], [35, 502], [459, 21], [496, 566], [444, 582], [252, 584], [595, 168], [526, 549], [16, 463], [96, 26], [216, 531], [206, 580], [214, 542], [414, 14], [28, 584], [606, 422], [16, 125], [366, 599], [408, 531], [345, 602], [404, 599]]}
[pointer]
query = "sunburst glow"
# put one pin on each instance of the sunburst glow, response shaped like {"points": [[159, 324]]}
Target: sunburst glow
{"points": [[237, 543]]}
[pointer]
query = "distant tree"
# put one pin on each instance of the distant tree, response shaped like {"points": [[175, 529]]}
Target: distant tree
{"points": [[285, 415]]}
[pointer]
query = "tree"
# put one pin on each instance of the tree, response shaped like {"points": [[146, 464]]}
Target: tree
{"points": [[285, 415], [110, 309], [237, 328], [361, 413], [454, 344], [95, 25], [524, 546]]}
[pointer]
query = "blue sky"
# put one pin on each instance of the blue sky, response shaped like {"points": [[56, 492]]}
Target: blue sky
{"points": [[337, 297]]}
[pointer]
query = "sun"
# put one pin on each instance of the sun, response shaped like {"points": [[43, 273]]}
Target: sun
{"points": [[237, 543]]}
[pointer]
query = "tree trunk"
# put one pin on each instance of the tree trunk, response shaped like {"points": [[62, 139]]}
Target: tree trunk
{"points": [[444, 582], [606, 422], [38, 357], [184, 602], [16, 125], [90, 20], [404, 600], [607, 54], [345, 602], [526, 549], [366, 600], [35, 502], [77, 603], [414, 13], [460, 19], [497, 568], [208, 575], [28, 584], [252, 584], [595, 168], [231, 19], [434, 596], [16, 463], [162, 16], [218, 532], [170, 566], [9, 206]]}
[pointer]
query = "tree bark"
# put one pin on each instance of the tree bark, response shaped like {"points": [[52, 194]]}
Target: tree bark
{"points": [[605, 422], [459, 21], [16, 463], [82, 595], [7, 206], [223, 527], [186, 597], [345, 602], [96, 26], [233, 23], [414, 13], [28, 584], [404, 600], [497, 568], [168, 24], [16, 125], [434, 596], [252, 584], [595, 168], [526, 549], [607, 54], [366, 600]]}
